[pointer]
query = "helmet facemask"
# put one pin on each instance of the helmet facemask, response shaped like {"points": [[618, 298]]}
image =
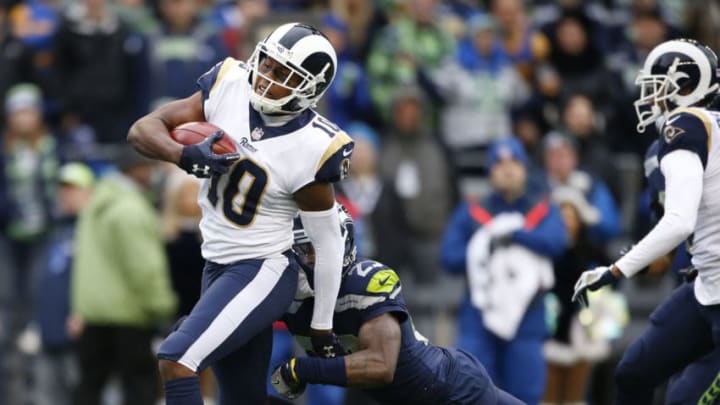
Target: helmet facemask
{"points": [[657, 95], [302, 96]]}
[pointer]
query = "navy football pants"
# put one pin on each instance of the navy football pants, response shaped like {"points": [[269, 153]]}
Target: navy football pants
{"points": [[230, 328], [472, 385], [701, 379], [681, 331]]}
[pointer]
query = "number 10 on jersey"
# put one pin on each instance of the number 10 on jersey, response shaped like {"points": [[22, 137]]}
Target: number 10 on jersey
{"points": [[251, 195]]}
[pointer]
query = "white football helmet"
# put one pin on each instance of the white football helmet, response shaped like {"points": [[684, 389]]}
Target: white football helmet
{"points": [[307, 53], [677, 73]]}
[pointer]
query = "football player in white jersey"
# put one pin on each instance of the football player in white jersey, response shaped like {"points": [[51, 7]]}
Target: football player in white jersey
{"points": [[678, 80], [287, 158]]}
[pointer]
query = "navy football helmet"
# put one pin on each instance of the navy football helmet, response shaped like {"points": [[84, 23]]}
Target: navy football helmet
{"points": [[308, 54], [303, 247], [677, 73]]}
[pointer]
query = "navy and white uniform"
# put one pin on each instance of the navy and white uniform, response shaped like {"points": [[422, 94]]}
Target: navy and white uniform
{"points": [[686, 326], [425, 373], [247, 217], [697, 379]]}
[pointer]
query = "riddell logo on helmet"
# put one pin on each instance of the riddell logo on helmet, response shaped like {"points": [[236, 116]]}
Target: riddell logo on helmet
{"points": [[283, 51]]}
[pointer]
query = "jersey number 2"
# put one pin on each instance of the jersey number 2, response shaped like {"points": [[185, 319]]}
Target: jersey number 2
{"points": [[251, 197]]}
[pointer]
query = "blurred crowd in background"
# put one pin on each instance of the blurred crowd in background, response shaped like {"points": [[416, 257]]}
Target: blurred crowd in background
{"points": [[99, 248]]}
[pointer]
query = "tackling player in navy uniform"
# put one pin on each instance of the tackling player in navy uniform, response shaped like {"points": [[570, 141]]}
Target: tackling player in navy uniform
{"points": [[678, 80], [287, 158], [387, 357]]}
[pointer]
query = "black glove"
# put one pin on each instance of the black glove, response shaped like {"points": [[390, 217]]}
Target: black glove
{"points": [[284, 383], [200, 160], [688, 274], [327, 346]]}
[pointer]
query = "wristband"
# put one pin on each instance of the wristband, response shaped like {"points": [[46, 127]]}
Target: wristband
{"points": [[316, 370]]}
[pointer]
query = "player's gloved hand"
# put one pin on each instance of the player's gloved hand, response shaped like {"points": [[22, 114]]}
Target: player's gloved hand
{"points": [[285, 382], [200, 160], [327, 346], [688, 273], [592, 280]]}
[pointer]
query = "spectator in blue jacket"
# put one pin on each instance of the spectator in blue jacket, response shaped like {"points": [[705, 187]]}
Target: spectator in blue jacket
{"points": [[561, 165], [56, 369], [505, 243]]}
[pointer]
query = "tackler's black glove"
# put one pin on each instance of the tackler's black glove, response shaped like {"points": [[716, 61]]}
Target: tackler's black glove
{"points": [[688, 274], [200, 160], [327, 346], [285, 382]]}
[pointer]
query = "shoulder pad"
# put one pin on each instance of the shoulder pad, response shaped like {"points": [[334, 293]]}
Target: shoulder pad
{"points": [[369, 277], [334, 164], [210, 79], [689, 129], [373, 289]]}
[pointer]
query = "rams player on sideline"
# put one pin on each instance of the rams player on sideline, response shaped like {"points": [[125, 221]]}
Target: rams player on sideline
{"points": [[678, 80], [288, 157], [387, 357]]}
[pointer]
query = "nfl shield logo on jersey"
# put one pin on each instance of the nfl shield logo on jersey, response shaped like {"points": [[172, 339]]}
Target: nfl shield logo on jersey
{"points": [[257, 133]]}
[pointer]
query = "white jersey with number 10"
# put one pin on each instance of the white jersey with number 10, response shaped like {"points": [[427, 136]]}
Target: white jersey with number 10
{"points": [[248, 212]]}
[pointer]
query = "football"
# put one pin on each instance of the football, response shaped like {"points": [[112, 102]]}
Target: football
{"points": [[191, 133]]}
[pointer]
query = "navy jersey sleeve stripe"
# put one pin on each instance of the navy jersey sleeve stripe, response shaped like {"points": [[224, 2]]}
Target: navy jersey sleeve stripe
{"points": [[209, 80], [688, 130], [335, 162]]}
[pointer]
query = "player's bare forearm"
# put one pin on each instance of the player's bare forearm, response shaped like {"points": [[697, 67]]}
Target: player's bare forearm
{"points": [[367, 369], [150, 135], [616, 271], [374, 364]]}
